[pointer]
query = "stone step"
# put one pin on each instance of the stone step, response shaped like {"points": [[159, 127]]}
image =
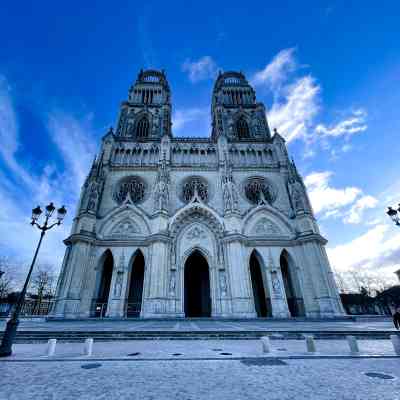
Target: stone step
{"points": [[78, 336]]}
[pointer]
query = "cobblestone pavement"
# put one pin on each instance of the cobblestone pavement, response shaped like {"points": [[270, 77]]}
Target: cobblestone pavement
{"points": [[315, 379], [363, 324]]}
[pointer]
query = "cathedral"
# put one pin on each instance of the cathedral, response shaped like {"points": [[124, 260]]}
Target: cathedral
{"points": [[181, 227]]}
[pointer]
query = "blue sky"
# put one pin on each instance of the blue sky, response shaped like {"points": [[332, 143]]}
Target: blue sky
{"points": [[328, 73]]}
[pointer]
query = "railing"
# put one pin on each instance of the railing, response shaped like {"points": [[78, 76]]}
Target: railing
{"points": [[296, 306], [99, 309], [30, 308], [132, 310]]}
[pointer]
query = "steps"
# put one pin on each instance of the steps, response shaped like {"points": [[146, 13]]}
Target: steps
{"points": [[80, 336]]}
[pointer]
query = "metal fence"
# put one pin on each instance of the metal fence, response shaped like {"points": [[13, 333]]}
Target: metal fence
{"points": [[30, 308]]}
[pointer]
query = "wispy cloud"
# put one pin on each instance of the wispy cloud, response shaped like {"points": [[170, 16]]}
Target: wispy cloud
{"points": [[277, 71], [74, 141], [202, 69], [297, 104], [327, 200], [355, 123], [9, 137], [194, 118], [376, 249]]}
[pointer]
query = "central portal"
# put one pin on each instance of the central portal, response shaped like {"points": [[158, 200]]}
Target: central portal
{"points": [[197, 286]]}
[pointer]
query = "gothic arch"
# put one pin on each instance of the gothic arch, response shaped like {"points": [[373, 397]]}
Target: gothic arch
{"points": [[196, 212], [126, 212], [259, 284], [242, 125], [270, 213], [292, 284], [101, 294], [143, 125], [135, 288]]}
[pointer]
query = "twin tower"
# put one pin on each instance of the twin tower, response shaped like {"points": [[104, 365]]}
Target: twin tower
{"points": [[180, 227], [146, 115]]}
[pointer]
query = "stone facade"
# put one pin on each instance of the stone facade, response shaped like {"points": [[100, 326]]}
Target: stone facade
{"points": [[182, 227]]}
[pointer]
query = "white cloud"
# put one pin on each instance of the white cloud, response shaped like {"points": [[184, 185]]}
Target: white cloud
{"points": [[326, 199], [294, 115], [276, 72], [355, 214], [356, 123], [376, 249], [73, 140], [9, 138], [202, 69], [184, 117]]}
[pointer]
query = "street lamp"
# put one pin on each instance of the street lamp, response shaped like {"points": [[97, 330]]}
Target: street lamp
{"points": [[394, 215], [12, 324]]}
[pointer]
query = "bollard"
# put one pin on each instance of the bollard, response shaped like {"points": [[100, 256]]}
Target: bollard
{"points": [[88, 347], [51, 347], [266, 344], [396, 343], [310, 344], [352, 341]]}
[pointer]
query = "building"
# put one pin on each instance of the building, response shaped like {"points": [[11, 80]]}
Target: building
{"points": [[194, 227]]}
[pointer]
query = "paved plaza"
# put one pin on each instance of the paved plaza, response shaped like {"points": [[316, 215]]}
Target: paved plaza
{"points": [[273, 379]]}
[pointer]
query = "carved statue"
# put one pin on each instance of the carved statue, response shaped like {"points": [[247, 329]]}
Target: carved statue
{"points": [[93, 197], [172, 283], [222, 283], [229, 190], [276, 285], [161, 190], [118, 284]]}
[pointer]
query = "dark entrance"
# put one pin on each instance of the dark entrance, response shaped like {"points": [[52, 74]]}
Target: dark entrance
{"points": [[134, 303], [197, 286], [100, 303], [260, 300], [295, 302]]}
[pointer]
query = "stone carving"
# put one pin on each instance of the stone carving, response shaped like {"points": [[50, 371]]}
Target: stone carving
{"points": [[229, 190], [134, 186], [119, 277], [196, 233], [296, 193], [265, 226], [172, 283], [222, 283], [161, 190], [93, 196], [124, 229], [258, 191], [195, 185], [276, 285]]}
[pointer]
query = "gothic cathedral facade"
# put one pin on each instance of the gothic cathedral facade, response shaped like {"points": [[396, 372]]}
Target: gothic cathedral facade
{"points": [[177, 227]]}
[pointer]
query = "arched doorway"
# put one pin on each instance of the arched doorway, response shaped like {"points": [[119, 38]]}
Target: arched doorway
{"points": [[261, 302], [292, 286], [103, 291], [197, 286], [135, 291]]}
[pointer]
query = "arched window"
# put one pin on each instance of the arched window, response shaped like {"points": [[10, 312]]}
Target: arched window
{"points": [[143, 128], [242, 128]]}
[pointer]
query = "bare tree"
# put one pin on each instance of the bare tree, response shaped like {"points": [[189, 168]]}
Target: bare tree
{"points": [[6, 277], [43, 281]]}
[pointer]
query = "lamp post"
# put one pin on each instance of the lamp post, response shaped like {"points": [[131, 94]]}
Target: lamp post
{"points": [[394, 215], [12, 324]]}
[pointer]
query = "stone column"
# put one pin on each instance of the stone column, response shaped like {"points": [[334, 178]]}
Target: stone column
{"points": [[276, 286], [239, 278], [155, 303], [119, 281]]}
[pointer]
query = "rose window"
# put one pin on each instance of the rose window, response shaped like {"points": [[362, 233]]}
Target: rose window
{"points": [[193, 184], [133, 185], [257, 190]]}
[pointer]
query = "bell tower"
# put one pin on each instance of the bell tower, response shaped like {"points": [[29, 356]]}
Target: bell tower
{"points": [[146, 115], [235, 111]]}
